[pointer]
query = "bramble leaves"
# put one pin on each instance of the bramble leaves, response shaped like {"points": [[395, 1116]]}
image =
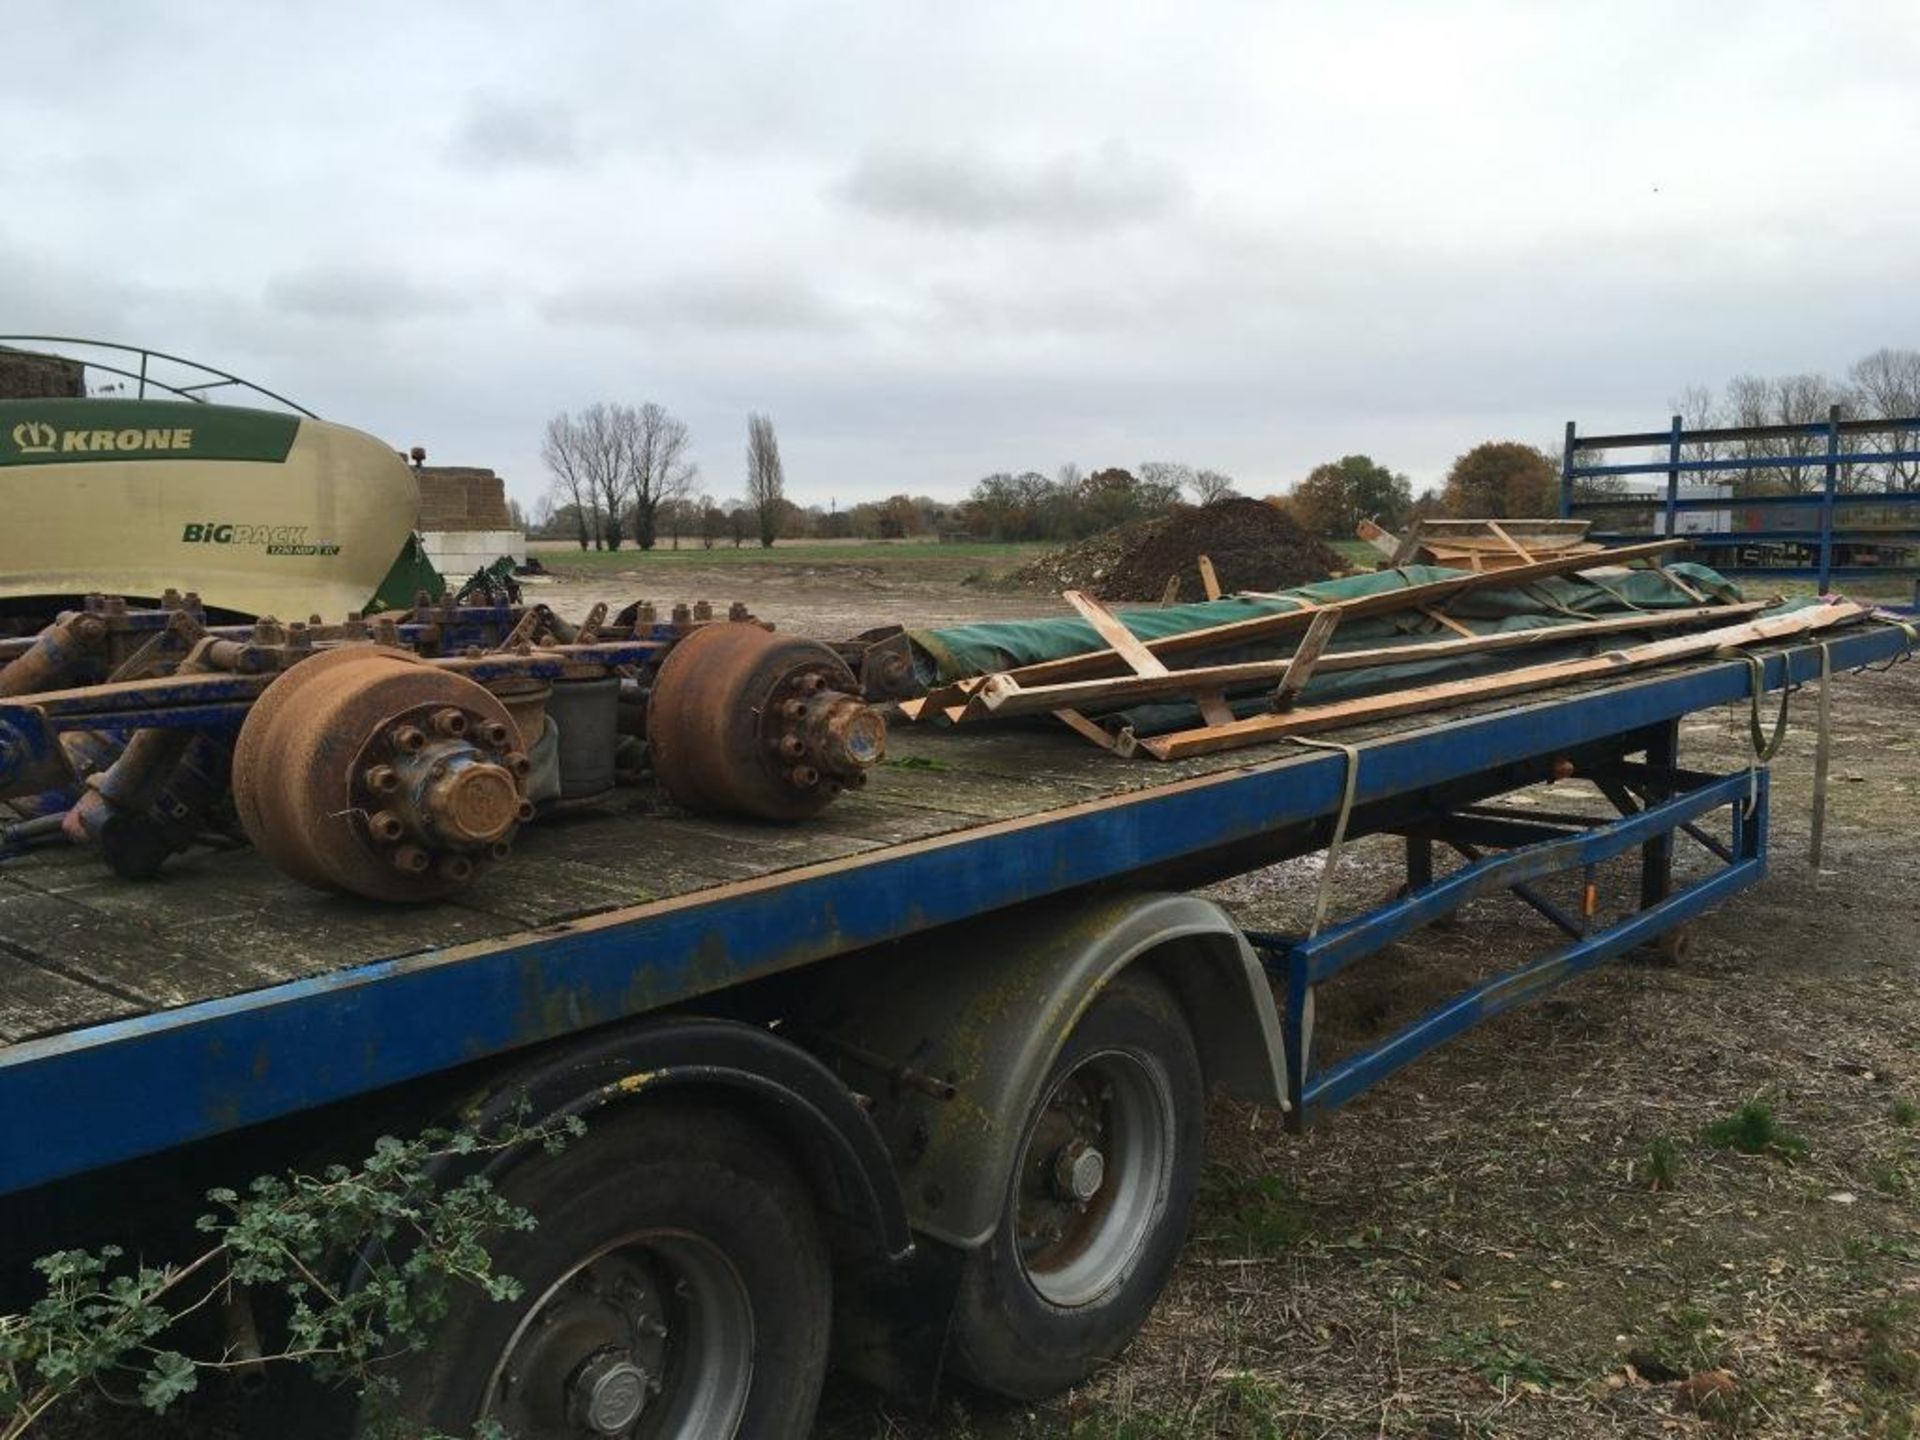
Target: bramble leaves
{"points": [[367, 1259]]}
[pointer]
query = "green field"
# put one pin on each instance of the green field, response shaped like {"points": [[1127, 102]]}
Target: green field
{"points": [[798, 552]]}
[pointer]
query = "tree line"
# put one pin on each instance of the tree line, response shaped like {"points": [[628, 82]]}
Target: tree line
{"points": [[1075, 503], [1884, 385], [620, 472]]}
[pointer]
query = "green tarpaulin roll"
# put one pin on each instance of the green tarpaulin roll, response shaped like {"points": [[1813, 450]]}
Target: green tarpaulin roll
{"points": [[1560, 601]]}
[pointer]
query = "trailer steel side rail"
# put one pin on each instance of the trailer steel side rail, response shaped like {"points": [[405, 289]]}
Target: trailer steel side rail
{"points": [[1301, 965], [111, 1092]]}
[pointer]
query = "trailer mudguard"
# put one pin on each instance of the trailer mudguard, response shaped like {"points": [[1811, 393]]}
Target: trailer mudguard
{"points": [[954, 1033], [796, 1099]]}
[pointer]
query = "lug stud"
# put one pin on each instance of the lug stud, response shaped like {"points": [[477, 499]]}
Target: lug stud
{"points": [[412, 859]]}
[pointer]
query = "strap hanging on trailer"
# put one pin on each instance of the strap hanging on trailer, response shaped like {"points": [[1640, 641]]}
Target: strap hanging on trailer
{"points": [[1348, 791]]}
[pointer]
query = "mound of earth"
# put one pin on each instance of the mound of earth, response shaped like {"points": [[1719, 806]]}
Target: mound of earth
{"points": [[1253, 546]]}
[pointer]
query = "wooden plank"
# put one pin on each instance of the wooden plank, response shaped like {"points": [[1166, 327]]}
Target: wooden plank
{"points": [[1209, 581], [108, 933], [1305, 658], [1682, 586], [1171, 592], [1524, 527], [1384, 541], [1094, 663], [35, 1001], [1447, 622], [1406, 547], [1125, 643], [1488, 687], [1508, 540], [1213, 706], [1082, 726], [1001, 698]]}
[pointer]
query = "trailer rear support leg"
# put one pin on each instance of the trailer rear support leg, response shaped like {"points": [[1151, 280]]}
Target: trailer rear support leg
{"points": [[1656, 856]]}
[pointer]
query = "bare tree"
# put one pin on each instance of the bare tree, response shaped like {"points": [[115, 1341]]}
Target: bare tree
{"points": [[1210, 487], [586, 455], [1699, 409], [1887, 384], [1165, 476], [658, 471], [766, 483]]}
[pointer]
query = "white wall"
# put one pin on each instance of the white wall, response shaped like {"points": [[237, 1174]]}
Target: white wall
{"points": [[456, 554]]}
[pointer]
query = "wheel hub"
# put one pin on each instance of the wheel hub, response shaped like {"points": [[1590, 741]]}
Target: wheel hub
{"points": [[651, 1337], [1079, 1170], [609, 1393], [1094, 1173]]}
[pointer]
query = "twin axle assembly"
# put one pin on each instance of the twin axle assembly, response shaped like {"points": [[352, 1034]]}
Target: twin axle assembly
{"points": [[397, 756]]}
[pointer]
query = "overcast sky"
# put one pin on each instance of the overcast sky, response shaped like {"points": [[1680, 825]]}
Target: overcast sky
{"points": [[936, 241]]}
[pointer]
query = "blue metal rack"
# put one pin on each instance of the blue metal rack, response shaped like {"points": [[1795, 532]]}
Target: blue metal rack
{"points": [[1539, 848], [1769, 531]]}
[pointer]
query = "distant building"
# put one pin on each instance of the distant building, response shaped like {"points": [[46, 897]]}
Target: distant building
{"points": [[25, 375], [1687, 522]]}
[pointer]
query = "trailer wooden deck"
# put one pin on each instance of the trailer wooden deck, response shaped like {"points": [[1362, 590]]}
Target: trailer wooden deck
{"points": [[79, 945]]}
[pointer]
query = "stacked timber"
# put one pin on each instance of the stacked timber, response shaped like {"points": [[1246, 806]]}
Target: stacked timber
{"points": [[1240, 701]]}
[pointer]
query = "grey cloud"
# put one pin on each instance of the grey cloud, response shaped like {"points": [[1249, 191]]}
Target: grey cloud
{"points": [[722, 303], [1105, 187], [359, 293], [500, 134]]}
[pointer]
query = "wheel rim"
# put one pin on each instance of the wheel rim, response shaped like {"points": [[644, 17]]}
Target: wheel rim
{"points": [[650, 1338], [1094, 1176]]}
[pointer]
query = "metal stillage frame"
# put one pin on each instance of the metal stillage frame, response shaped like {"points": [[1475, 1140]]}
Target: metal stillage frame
{"points": [[1841, 449]]}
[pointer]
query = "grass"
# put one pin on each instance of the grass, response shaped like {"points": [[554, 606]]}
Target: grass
{"points": [[1892, 1333], [1355, 552], [1752, 1130], [1662, 1163], [1904, 1113], [1252, 1215], [799, 552], [1499, 1359]]}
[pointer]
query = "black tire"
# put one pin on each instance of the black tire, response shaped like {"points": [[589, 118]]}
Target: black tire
{"points": [[1034, 1317], [639, 1206]]}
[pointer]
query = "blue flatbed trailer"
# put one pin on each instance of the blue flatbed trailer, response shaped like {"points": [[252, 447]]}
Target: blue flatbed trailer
{"points": [[890, 991]]}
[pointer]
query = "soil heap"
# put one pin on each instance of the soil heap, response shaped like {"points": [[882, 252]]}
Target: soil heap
{"points": [[1253, 546]]}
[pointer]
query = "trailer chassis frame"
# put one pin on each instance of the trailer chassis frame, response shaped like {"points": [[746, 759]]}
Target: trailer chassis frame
{"points": [[1658, 804]]}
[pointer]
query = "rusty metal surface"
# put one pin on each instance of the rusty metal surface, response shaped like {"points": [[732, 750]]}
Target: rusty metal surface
{"points": [[755, 726], [745, 722], [367, 770]]}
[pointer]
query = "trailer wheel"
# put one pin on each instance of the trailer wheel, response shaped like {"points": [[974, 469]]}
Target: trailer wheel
{"points": [[1098, 1204], [676, 1287]]}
